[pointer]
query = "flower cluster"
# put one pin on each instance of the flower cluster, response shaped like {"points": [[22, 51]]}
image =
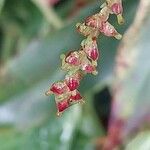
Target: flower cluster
{"points": [[78, 63]]}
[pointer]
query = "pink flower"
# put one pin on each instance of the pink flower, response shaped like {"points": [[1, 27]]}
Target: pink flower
{"points": [[90, 47], [72, 83], [73, 58], [108, 30], [116, 8], [88, 68]]}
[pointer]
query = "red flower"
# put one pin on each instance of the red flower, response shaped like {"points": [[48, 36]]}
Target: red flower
{"points": [[93, 54], [72, 83], [73, 80], [73, 58], [88, 68], [76, 97], [90, 47], [59, 88], [116, 8], [62, 105]]}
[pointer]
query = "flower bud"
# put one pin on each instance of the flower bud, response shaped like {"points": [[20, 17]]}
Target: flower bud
{"points": [[86, 65], [90, 47], [72, 83], [88, 68], [117, 9], [75, 97], [73, 58], [59, 88], [96, 20], [71, 61], [62, 105], [108, 30]]}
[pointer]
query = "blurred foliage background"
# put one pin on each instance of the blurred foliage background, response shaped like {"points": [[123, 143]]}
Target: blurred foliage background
{"points": [[33, 34]]}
